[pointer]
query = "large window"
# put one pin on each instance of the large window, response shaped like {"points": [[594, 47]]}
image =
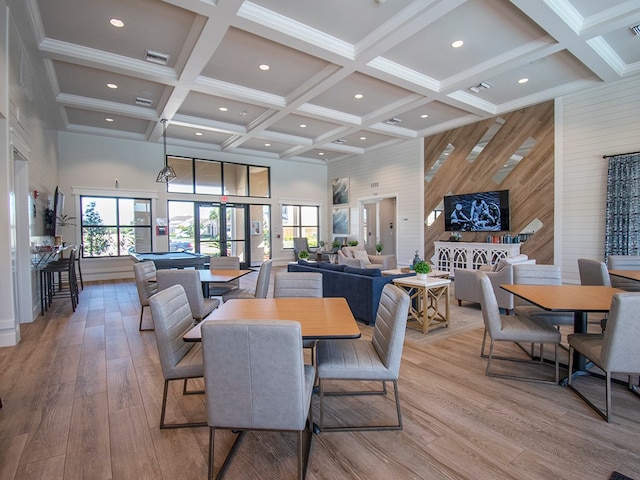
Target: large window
{"points": [[113, 226], [300, 221], [210, 177]]}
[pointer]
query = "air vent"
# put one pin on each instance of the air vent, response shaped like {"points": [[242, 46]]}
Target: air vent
{"points": [[375, 184], [635, 29], [340, 141], [145, 102], [157, 57], [480, 86], [392, 121]]}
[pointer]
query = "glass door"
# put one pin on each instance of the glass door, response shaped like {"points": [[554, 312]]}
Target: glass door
{"points": [[209, 229], [234, 237]]}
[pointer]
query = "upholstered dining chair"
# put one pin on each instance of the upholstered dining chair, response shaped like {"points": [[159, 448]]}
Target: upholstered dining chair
{"points": [[514, 328], [594, 272], [299, 284], [224, 263], [179, 360], [624, 262], [190, 281], [262, 285], [364, 360], [614, 351], [145, 276], [255, 379]]}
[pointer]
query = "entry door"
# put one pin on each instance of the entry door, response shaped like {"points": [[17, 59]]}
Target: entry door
{"points": [[223, 230]]}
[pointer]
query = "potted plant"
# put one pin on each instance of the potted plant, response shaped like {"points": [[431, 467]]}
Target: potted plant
{"points": [[352, 243], [303, 255], [335, 245], [379, 247], [422, 268]]}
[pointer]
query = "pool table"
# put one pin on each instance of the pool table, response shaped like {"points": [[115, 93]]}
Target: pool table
{"points": [[173, 259]]}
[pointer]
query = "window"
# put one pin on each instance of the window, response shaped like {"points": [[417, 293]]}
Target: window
{"points": [[113, 226], [210, 177], [300, 221]]}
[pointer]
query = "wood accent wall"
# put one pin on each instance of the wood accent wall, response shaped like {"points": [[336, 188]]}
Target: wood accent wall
{"points": [[530, 183]]}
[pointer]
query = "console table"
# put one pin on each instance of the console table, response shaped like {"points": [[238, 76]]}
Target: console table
{"points": [[471, 255]]}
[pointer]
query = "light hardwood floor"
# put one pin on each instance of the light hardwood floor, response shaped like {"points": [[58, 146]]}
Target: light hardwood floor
{"points": [[82, 394]]}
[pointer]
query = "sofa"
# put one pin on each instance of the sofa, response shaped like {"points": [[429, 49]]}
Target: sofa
{"points": [[357, 257], [467, 282], [361, 287]]}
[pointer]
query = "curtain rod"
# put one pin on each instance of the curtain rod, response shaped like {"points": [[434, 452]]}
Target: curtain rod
{"points": [[619, 154]]}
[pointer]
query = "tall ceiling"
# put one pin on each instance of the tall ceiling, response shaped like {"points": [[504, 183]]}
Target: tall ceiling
{"points": [[396, 53]]}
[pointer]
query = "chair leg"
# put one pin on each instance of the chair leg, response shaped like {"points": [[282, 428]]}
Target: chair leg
{"points": [[212, 432], [490, 357], [140, 326], [163, 411]]}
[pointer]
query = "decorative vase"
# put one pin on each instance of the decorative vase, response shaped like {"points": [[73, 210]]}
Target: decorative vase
{"points": [[422, 276]]}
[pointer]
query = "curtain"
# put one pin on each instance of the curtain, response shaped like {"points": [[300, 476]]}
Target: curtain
{"points": [[622, 230]]}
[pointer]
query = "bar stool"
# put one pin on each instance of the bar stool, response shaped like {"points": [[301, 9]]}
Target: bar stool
{"points": [[50, 289]]}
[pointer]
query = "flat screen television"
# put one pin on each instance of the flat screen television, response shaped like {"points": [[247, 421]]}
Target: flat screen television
{"points": [[477, 212], [58, 210]]}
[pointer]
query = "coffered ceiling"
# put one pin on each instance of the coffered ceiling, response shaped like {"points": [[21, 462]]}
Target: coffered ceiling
{"points": [[396, 54]]}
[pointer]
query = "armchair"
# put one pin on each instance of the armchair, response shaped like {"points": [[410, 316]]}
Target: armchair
{"points": [[467, 282], [357, 257], [300, 244]]}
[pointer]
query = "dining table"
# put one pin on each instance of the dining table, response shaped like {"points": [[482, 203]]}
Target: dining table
{"points": [[319, 318], [579, 299], [219, 276], [628, 274]]}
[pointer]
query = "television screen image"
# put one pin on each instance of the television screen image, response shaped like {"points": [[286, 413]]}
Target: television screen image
{"points": [[477, 212]]}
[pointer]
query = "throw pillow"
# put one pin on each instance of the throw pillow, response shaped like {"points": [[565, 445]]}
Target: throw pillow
{"points": [[370, 272], [361, 255]]}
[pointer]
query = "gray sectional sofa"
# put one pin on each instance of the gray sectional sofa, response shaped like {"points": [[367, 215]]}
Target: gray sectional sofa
{"points": [[361, 287]]}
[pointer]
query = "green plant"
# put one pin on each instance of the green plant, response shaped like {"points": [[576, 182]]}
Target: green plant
{"points": [[379, 247], [422, 267], [303, 254], [336, 244], [352, 243], [65, 220]]}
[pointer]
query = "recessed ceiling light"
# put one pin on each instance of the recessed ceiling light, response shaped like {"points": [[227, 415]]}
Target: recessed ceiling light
{"points": [[363, 138], [112, 85], [109, 119], [523, 80], [264, 67], [424, 115], [321, 153], [267, 144], [358, 96], [457, 44], [116, 22], [223, 109], [302, 125], [198, 134]]}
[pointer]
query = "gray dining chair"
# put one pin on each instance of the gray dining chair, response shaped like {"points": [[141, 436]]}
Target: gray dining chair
{"points": [[624, 262], [224, 263], [262, 285], [594, 272], [190, 281], [377, 359], [299, 284], [255, 379], [145, 277], [179, 360], [514, 328], [614, 351]]}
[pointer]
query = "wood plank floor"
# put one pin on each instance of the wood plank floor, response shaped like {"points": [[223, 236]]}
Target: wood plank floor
{"points": [[82, 394]]}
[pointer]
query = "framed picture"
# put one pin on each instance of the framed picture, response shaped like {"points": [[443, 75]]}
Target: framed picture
{"points": [[341, 191], [255, 228], [341, 221]]}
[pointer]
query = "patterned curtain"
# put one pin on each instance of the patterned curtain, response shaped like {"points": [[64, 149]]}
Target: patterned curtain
{"points": [[622, 231]]}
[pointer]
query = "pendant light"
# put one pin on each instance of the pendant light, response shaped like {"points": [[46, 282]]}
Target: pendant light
{"points": [[167, 173]]}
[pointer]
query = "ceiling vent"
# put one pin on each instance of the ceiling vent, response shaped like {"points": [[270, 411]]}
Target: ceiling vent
{"points": [[392, 121], [340, 141], [157, 57], [635, 29], [145, 102], [480, 86]]}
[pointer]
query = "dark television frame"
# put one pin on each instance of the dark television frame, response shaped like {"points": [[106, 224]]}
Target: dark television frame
{"points": [[497, 202], [58, 209]]}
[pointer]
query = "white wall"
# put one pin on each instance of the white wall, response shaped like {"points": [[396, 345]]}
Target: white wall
{"points": [[397, 171], [601, 121], [93, 162]]}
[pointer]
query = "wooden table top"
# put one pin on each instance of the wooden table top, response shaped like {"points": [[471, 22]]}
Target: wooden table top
{"points": [[630, 274], [221, 276], [566, 298], [428, 283], [320, 318]]}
